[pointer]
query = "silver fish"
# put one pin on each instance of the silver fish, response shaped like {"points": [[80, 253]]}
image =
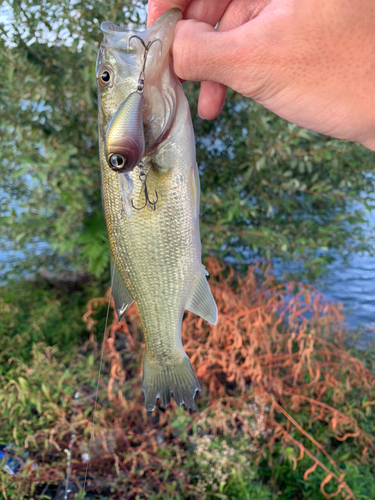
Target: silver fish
{"points": [[145, 123]]}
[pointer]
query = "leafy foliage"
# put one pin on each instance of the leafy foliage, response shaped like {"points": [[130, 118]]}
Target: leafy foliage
{"points": [[280, 395], [48, 119], [268, 188], [34, 312], [284, 412], [272, 189]]}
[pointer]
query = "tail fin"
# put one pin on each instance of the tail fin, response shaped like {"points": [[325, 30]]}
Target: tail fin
{"points": [[162, 381]]}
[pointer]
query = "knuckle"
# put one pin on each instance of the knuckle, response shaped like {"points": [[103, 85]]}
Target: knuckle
{"points": [[183, 51]]}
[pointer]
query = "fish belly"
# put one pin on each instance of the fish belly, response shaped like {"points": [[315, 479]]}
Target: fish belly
{"points": [[158, 255]]}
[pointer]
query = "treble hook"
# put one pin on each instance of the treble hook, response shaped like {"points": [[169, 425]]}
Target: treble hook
{"points": [[141, 80], [143, 178]]}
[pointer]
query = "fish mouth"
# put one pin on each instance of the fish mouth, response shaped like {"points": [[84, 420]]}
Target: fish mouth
{"points": [[108, 27], [116, 37], [137, 129]]}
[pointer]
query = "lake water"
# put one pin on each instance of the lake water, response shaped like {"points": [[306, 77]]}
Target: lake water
{"points": [[352, 284]]}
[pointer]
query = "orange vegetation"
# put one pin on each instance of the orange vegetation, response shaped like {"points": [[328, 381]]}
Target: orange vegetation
{"points": [[278, 345]]}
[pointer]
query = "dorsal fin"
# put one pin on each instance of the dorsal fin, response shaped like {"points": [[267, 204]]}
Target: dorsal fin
{"points": [[121, 295], [202, 302]]}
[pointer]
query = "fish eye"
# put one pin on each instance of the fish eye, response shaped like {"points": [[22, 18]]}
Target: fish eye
{"points": [[105, 76]]}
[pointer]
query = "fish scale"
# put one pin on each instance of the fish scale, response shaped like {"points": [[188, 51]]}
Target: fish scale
{"points": [[156, 254], [158, 280]]}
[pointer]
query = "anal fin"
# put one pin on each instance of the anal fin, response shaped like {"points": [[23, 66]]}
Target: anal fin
{"points": [[121, 295], [202, 302]]}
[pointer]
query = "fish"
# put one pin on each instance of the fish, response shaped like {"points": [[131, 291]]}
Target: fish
{"points": [[146, 136]]}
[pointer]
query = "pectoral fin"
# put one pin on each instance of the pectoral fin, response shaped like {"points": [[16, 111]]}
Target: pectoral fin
{"points": [[202, 303], [120, 293]]}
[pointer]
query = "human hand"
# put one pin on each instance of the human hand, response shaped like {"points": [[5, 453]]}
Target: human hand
{"points": [[311, 62]]}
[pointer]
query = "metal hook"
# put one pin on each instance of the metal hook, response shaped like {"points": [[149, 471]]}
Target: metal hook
{"points": [[143, 178], [141, 80]]}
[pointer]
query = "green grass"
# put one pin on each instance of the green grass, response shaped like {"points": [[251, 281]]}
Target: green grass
{"points": [[33, 312]]}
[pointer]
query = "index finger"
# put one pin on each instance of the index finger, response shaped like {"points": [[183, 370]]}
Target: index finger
{"points": [[157, 7]]}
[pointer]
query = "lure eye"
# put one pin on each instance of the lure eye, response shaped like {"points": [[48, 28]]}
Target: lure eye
{"points": [[117, 162], [105, 77]]}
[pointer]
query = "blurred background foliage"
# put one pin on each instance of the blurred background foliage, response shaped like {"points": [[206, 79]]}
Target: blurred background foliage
{"points": [[269, 188]]}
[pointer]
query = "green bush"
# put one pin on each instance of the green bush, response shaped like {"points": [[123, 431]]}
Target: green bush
{"points": [[33, 312], [269, 188], [230, 448]]}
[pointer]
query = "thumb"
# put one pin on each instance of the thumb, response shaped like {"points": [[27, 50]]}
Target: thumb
{"points": [[202, 53]]}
